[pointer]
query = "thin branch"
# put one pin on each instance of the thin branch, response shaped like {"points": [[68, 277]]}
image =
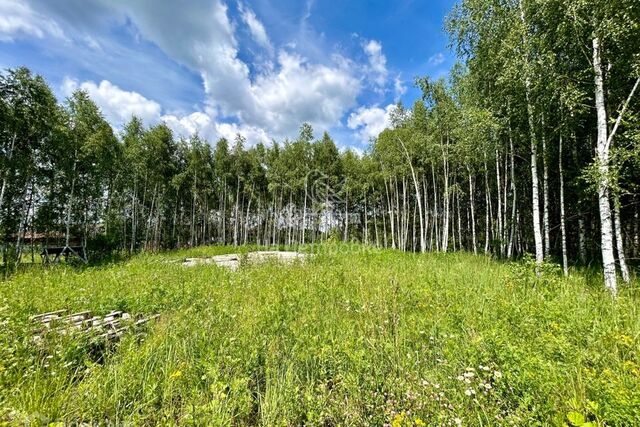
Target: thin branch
{"points": [[624, 108]]}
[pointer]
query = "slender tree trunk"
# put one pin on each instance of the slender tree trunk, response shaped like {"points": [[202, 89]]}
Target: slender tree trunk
{"points": [[423, 246], [606, 228], [150, 217], [193, 210], [513, 196], [6, 173], [505, 204], [459, 220], [405, 213], [391, 220], [24, 217], [636, 231], [435, 207], [70, 205], [535, 198], [375, 223], [384, 226], [487, 225], [445, 199], [246, 218], [304, 212], [366, 221], [236, 214], [582, 240], [499, 192], [224, 212], [346, 215], [488, 209], [425, 204], [472, 206], [624, 269], [565, 265], [545, 192]]}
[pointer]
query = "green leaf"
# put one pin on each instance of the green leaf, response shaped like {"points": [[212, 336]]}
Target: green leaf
{"points": [[575, 418]]}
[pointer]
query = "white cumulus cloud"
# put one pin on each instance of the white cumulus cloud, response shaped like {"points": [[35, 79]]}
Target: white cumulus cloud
{"points": [[300, 92], [377, 63], [271, 100], [369, 122], [117, 105]]}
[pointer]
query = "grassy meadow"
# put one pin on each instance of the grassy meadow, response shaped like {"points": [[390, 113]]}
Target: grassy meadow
{"points": [[355, 336]]}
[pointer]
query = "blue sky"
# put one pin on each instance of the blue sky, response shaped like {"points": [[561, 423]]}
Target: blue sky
{"points": [[219, 67]]}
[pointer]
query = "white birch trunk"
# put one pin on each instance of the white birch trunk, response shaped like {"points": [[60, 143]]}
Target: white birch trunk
{"points": [[513, 196], [606, 228], [565, 265], [423, 246], [535, 198], [472, 206], [545, 193], [445, 198], [624, 269]]}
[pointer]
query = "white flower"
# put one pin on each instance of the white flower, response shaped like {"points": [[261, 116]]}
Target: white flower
{"points": [[469, 392], [497, 374]]}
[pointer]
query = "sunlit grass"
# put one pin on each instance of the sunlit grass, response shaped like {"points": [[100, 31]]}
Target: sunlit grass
{"points": [[355, 336]]}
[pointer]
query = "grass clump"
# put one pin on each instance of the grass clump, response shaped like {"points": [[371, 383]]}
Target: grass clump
{"points": [[354, 336]]}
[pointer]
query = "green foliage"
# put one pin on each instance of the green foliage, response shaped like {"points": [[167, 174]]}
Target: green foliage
{"points": [[355, 336]]}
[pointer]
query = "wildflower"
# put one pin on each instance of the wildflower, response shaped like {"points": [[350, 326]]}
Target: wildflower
{"points": [[469, 392], [487, 386], [397, 420], [177, 374], [497, 374], [460, 378], [625, 340], [458, 421], [419, 422]]}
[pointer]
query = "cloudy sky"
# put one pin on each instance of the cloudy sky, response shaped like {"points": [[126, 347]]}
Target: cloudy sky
{"points": [[219, 67]]}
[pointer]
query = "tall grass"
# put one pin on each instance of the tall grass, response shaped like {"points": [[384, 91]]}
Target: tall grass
{"points": [[354, 336]]}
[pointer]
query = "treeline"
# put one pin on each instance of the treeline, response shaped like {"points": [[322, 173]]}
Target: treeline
{"points": [[556, 80], [532, 145]]}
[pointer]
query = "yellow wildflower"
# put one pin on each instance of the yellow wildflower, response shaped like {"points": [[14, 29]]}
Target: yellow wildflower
{"points": [[397, 420], [625, 340]]}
